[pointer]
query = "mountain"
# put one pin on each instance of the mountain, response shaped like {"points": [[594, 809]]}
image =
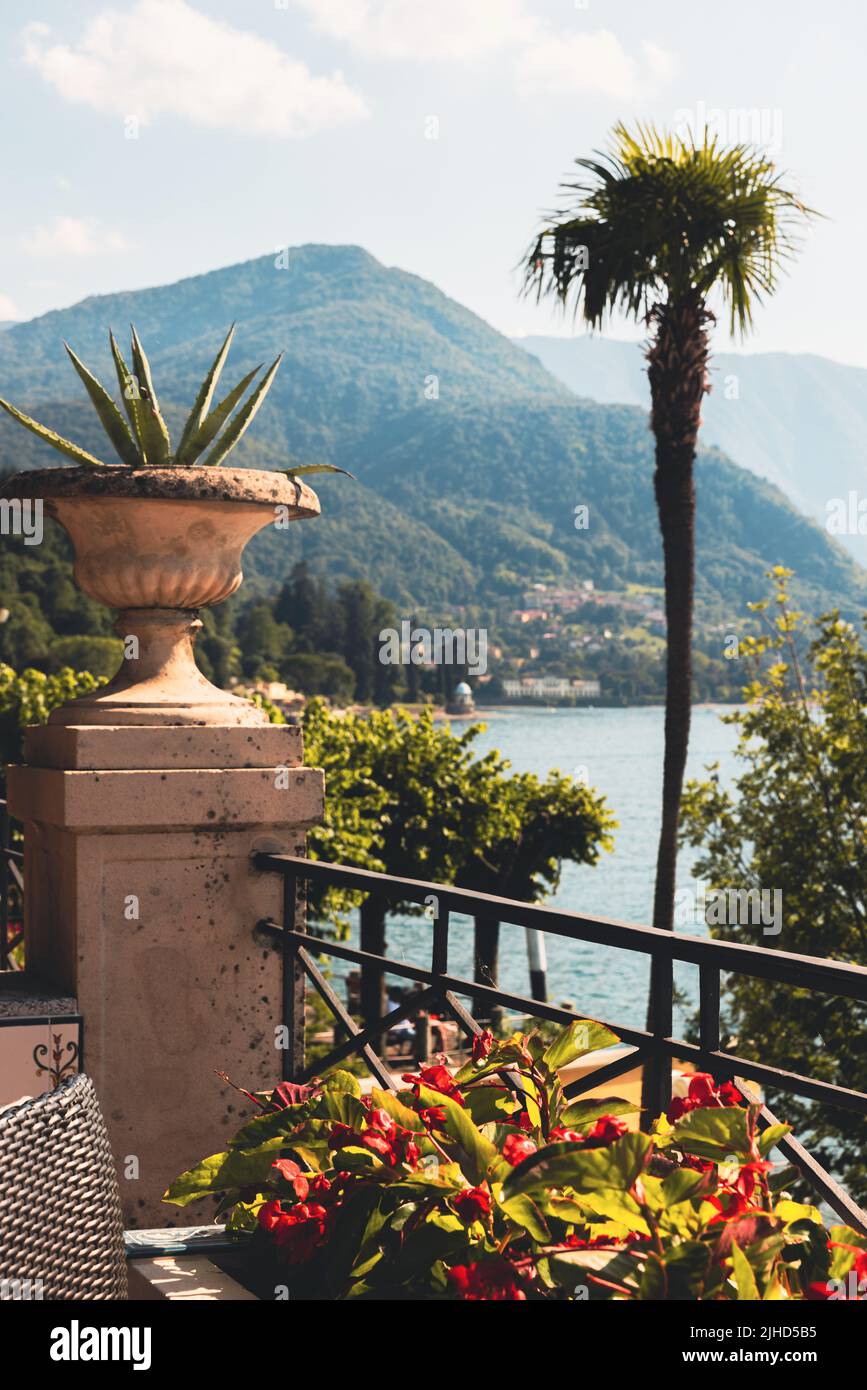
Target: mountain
{"points": [[470, 457], [798, 420]]}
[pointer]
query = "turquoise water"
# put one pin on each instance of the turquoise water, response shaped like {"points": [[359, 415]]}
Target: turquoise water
{"points": [[619, 751]]}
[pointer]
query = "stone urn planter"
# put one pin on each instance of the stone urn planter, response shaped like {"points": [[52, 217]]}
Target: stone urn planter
{"points": [[158, 544]]}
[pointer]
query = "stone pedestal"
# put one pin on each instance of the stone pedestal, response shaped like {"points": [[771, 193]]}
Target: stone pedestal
{"points": [[142, 902]]}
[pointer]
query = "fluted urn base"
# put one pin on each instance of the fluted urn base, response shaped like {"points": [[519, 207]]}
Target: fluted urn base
{"points": [[159, 681]]}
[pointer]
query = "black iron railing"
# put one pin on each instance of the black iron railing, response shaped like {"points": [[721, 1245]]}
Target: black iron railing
{"points": [[654, 1048], [11, 893]]}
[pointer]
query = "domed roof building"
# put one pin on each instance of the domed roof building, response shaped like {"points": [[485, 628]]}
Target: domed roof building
{"points": [[461, 701]]}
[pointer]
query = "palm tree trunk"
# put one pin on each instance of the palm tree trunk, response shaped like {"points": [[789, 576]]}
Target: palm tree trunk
{"points": [[677, 367]]}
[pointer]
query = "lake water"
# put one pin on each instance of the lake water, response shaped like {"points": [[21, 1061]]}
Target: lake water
{"points": [[620, 753]]}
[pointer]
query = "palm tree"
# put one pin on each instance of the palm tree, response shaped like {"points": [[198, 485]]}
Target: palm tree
{"points": [[655, 228]]}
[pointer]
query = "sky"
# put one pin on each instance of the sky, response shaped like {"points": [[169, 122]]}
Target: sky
{"points": [[149, 140]]}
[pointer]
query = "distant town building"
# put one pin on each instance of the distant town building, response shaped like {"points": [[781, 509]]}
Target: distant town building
{"points": [[550, 688], [461, 701]]}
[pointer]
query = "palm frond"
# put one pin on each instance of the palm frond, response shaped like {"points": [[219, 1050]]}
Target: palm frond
{"points": [[660, 216]]}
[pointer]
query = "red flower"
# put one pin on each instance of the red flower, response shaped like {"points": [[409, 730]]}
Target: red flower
{"points": [[516, 1148], [436, 1078], [292, 1174], [521, 1120], [736, 1198], [606, 1129], [298, 1232], [434, 1116], [382, 1136], [482, 1044], [495, 1280], [472, 1204], [703, 1094]]}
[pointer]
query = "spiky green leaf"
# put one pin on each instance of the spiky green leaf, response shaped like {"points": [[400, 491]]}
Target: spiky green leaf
{"points": [[65, 446], [214, 422], [156, 435], [317, 468], [131, 397], [203, 400], [110, 417], [244, 417]]}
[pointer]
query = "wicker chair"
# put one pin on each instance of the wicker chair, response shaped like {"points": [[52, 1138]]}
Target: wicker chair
{"points": [[61, 1229]]}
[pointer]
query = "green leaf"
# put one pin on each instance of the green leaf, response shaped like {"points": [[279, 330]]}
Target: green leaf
{"points": [[581, 1113], [620, 1207], [131, 397], [573, 1269], [576, 1040], [202, 403], [156, 436], [522, 1210], [489, 1103], [214, 422], [745, 1280], [243, 419], [680, 1185], [715, 1134], [223, 1172], [770, 1137], [797, 1211], [480, 1154], [64, 446], [317, 468], [262, 1128], [340, 1080], [688, 1267], [341, 1106], [389, 1102], [110, 417], [612, 1167]]}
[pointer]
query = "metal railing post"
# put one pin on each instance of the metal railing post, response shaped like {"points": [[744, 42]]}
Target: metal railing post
{"points": [[294, 986], [656, 1089]]}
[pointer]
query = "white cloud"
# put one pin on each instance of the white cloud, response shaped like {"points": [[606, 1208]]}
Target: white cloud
{"points": [[587, 63], [165, 57], [544, 59], [660, 63], [422, 29], [74, 236], [8, 309]]}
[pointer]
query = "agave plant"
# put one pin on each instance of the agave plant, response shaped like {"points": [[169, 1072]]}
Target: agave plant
{"points": [[142, 439]]}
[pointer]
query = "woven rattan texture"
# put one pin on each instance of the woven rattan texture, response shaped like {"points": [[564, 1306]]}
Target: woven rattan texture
{"points": [[61, 1229]]}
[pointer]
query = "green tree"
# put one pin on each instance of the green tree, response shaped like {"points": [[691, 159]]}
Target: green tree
{"points": [[658, 226], [262, 639], [302, 603], [358, 605], [29, 697], [101, 656], [446, 815], [794, 821], [317, 673]]}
